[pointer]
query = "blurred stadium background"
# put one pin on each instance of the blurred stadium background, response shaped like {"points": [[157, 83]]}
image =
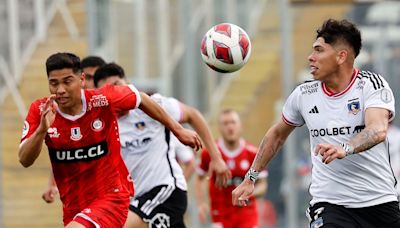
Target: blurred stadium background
{"points": [[157, 42]]}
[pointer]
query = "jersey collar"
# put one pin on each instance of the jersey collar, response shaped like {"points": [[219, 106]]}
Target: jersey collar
{"points": [[231, 153], [330, 93]]}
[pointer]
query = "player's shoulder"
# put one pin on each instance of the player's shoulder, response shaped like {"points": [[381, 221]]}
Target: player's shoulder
{"points": [[308, 87], [39, 103], [375, 80], [157, 97]]}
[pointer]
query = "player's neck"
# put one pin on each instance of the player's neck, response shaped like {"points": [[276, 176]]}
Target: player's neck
{"points": [[337, 82], [75, 109], [232, 145]]}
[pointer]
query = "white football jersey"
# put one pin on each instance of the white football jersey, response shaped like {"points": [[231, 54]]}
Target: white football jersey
{"points": [[359, 180], [147, 149], [393, 136]]}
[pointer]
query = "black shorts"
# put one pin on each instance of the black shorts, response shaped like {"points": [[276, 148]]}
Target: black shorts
{"points": [[328, 215], [162, 206]]}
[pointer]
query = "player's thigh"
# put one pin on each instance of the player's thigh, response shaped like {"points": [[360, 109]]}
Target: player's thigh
{"points": [[134, 221]]}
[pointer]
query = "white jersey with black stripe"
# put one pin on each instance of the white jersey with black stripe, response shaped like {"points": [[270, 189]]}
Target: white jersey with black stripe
{"points": [[359, 180], [147, 149]]}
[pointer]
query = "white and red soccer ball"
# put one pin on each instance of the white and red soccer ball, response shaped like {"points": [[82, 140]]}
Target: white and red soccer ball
{"points": [[225, 48]]}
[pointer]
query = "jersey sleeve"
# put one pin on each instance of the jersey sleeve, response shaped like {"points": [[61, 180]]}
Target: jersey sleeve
{"points": [[122, 97], [291, 112], [171, 105], [378, 94], [202, 168], [32, 121]]}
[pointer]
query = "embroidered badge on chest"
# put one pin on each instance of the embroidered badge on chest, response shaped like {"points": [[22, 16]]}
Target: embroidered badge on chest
{"points": [[76, 133]]}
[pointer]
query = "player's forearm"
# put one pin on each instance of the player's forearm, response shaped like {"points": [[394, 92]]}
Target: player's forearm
{"points": [[199, 124], [368, 138], [269, 146], [30, 149]]}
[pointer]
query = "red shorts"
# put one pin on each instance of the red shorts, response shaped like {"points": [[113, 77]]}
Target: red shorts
{"points": [[238, 218], [109, 211]]}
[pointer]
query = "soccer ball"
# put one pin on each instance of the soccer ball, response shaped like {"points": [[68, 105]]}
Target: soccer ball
{"points": [[225, 48]]}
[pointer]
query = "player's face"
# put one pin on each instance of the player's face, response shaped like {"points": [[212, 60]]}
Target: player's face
{"points": [[323, 60], [89, 74], [230, 127], [66, 85], [113, 80]]}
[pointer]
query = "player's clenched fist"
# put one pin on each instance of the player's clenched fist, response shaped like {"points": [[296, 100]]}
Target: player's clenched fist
{"points": [[189, 138]]}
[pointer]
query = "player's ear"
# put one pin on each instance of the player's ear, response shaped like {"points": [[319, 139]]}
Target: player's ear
{"points": [[82, 78], [342, 56]]}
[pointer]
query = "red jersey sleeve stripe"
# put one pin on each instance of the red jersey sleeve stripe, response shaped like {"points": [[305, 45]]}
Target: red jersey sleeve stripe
{"points": [[138, 97], [290, 123]]}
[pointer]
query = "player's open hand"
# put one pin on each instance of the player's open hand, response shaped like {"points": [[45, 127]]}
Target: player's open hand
{"points": [[49, 194], [189, 138], [329, 152], [242, 193], [48, 113], [222, 172]]}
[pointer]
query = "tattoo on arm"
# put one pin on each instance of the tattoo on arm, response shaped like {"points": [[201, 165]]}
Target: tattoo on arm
{"points": [[264, 154], [366, 139]]}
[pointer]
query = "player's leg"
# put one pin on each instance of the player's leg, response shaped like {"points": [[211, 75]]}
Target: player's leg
{"points": [[134, 221]]}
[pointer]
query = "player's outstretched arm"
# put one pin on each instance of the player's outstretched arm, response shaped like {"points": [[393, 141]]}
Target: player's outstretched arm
{"points": [[156, 112], [30, 149], [376, 126], [196, 120], [270, 145]]}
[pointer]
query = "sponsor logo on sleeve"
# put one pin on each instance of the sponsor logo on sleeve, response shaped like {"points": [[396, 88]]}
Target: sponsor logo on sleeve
{"points": [[309, 89], [386, 96], [97, 101], [88, 153]]}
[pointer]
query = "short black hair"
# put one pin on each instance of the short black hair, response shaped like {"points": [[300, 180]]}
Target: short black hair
{"points": [[341, 30], [62, 60], [92, 61], [108, 70]]}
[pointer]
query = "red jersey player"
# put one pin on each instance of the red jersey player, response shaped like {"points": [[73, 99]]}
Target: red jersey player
{"points": [[80, 130], [238, 155]]}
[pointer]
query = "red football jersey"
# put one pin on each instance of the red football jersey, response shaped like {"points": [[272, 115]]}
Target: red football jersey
{"points": [[84, 149], [238, 161]]}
